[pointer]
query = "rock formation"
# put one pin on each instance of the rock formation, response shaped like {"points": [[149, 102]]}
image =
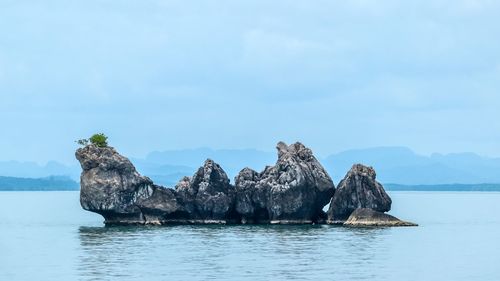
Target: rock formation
{"points": [[111, 186], [295, 190], [358, 189], [364, 217]]}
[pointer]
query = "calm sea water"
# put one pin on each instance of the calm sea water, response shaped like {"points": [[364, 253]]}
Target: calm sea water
{"points": [[47, 236]]}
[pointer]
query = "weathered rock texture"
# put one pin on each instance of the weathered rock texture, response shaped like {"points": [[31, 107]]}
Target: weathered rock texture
{"points": [[295, 190], [358, 189], [364, 217], [251, 198]]}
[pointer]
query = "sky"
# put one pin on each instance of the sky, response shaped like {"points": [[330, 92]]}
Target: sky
{"points": [[162, 75]]}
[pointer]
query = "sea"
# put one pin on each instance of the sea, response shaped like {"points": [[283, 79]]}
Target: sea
{"points": [[47, 236]]}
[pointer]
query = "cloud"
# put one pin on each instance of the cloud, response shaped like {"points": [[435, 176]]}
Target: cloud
{"points": [[270, 47], [336, 74]]}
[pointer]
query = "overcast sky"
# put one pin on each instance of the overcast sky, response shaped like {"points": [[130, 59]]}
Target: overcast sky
{"points": [[157, 75]]}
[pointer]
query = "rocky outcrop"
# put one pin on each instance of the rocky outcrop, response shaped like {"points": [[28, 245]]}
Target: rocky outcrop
{"points": [[295, 190], [111, 186], [359, 189], [364, 217]]}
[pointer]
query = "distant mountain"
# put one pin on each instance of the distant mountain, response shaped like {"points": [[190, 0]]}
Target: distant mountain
{"points": [[231, 160], [44, 184], [401, 165], [393, 164], [35, 170], [398, 165], [163, 174], [443, 187]]}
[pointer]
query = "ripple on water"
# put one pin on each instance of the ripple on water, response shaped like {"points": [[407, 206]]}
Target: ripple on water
{"points": [[228, 252], [49, 239]]}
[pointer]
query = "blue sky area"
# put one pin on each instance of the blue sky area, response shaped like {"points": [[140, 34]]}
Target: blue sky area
{"points": [[336, 75]]}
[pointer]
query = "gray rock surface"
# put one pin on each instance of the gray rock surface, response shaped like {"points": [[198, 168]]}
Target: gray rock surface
{"points": [[207, 196], [364, 217], [295, 190], [110, 185], [359, 189], [163, 207], [251, 198]]}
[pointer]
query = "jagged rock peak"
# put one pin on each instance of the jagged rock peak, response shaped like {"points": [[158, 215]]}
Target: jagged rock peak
{"points": [[211, 172], [207, 196], [246, 176], [297, 150], [297, 164], [360, 169]]}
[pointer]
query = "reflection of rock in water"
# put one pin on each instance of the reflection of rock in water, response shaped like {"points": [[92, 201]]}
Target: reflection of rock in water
{"points": [[108, 252], [365, 247], [252, 252]]}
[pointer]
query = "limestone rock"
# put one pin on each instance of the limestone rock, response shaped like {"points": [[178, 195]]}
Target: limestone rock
{"points": [[208, 196], [163, 207], [251, 198], [364, 217], [359, 189], [295, 190], [111, 186]]}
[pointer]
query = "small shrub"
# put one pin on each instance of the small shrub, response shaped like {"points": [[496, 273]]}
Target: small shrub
{"points": [[100, 140]]}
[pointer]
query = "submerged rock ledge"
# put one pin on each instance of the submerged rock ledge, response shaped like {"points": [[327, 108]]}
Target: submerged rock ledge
{"points": [[364, 217], [293, 191]]}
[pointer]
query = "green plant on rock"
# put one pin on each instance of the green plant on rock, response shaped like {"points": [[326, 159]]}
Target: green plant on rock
{"points": [[100, 140]]}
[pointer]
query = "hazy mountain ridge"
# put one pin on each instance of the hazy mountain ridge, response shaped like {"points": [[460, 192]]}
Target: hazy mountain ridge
{"points": [[443, 187], [399, 165], [34, 170], [42, 184], [231, 160]]}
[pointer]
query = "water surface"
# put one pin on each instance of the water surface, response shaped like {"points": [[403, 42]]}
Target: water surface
{"points": [[47, 236]]}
